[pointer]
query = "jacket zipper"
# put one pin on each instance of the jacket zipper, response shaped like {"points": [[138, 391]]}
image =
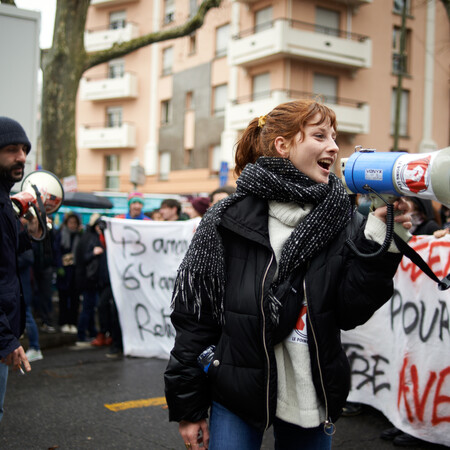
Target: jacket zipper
{"points": [[264, 341], [329, 427]]}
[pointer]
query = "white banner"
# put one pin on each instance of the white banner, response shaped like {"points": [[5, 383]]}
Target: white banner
{"points": [[400, 359], [143, 258]]}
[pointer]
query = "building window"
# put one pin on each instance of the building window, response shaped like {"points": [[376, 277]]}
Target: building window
{"points": [[166, 112], [263, 19], [117, 20], [114, 116], [193, 43], [112, 172], [261, 86], [169, 11], [326, 87], [214, 164], [404, 108], [190, 104], [167, 62], [220, 99], [327, 21], [164, 165], [188, 160], [398, 6], [116, 68], [399, 64], [222, 39]]}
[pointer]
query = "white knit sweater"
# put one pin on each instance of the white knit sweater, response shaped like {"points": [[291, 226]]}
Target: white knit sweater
{"points": [[297, 401]]}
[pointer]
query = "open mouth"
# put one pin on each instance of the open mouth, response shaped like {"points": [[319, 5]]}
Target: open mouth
{"points": [[325, 163]]}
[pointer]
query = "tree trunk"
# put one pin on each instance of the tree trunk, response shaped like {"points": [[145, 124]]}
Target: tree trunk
{"points": [[63, 66]]}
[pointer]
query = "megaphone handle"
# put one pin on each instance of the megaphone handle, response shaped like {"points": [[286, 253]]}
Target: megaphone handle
{"points": [[40, 213]]}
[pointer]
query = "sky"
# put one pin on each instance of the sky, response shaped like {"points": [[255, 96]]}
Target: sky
{"points": [[47, 9]]}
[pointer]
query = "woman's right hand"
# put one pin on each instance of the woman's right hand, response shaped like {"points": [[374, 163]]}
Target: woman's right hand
{"points": [[194, 434]]}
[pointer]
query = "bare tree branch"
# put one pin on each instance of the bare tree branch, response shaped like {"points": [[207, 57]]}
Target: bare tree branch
{"points": [[119, 50]]}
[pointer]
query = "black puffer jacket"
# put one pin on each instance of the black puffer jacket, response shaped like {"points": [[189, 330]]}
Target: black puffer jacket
{"points": [[342, 292]]}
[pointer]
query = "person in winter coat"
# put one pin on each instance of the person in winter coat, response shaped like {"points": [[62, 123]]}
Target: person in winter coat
{"points": [[422, 216], [266, 286], [88, 254], [65, 247], [14, 239]]}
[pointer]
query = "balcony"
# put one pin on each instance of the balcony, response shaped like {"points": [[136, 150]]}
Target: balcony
{"points": [[109, 88], [106, 3], [352, 116], [96, 40], [300, 40], [123, 136]]}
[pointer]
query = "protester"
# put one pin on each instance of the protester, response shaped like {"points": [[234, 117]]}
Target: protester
{"points": [[445, 216], [135, 205], [197, 207], [269, 281], [14, 148], [170, 210], [65, 247], [422, 216], [87, 278], [154, 215], [221, 193], [42, 281]]}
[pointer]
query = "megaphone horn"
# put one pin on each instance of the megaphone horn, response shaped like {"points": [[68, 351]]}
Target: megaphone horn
{"points": [[424, 175], [39, 186]]}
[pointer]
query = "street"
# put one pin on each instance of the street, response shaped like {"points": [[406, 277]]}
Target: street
{"points": [[79, 399]]}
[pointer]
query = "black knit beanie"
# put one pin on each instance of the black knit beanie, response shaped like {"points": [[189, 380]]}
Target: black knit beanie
{"points": [[11, 132]]}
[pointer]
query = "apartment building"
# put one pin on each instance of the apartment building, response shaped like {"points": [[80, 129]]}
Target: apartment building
{"points": [[178, 107]]}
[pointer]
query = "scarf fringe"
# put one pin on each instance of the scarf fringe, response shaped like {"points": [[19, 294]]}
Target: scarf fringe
{"points": [[190, 289]]}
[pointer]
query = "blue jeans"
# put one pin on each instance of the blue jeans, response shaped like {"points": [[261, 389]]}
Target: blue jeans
{"points": [[229, 431], [87, 316], [3, 379]]}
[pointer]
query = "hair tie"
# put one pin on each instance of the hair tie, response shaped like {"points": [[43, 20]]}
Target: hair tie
{"points": [[261, 121]]}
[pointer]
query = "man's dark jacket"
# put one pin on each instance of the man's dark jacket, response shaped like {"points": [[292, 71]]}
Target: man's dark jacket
{"points": [[12, 307], [342, 292]]}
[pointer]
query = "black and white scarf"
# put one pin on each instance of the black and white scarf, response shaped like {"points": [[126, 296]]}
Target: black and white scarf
{"points": [[203, 267]]}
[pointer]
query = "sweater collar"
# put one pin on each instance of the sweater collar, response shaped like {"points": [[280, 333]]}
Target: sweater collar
{"points": [[290, 214]]}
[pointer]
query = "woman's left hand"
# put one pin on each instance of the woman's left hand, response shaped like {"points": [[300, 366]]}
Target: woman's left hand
{"points": [[401, 213]]}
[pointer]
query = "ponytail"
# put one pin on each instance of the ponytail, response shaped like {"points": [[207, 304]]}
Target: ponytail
{"points": [[248, 146]]}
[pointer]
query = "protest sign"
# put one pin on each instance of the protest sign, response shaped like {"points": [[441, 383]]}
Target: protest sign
{"points": [[400, 359], [143, 258]]}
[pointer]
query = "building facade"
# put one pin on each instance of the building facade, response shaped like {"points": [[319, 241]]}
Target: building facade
{"points": [[177, 108]]}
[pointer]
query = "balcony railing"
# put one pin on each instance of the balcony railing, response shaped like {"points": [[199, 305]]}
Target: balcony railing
{"points": [[352, 115], [96, 40], [109, 88], [93, 136], [106, 3], [301, 40]]}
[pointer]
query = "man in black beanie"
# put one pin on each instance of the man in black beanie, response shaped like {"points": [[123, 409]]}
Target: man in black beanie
{"points": [[14, 148]]}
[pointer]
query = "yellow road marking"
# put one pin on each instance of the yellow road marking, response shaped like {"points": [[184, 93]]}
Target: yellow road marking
{"points": [[144, 403]]}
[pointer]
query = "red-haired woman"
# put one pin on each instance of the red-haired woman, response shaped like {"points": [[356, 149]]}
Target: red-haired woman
{"points": [[268, 283]]}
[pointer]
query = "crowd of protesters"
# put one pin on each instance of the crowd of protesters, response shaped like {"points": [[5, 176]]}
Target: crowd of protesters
{"points": [[70, 266]]}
